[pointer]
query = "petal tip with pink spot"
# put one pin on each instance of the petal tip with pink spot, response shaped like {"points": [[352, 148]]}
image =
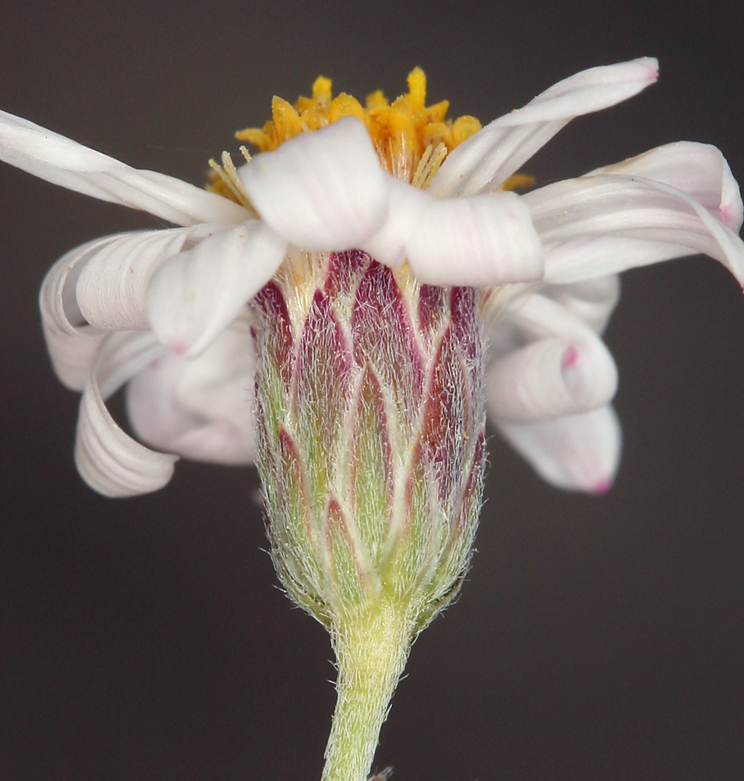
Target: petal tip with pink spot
{"points": [[602, 487], [570, 357]]}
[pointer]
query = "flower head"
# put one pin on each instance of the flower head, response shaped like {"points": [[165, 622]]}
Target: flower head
{"points": [[164, 310], [371, 434]]}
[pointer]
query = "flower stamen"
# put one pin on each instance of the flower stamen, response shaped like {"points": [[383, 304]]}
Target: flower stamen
{"points": [[225, 179], [429, 164]]}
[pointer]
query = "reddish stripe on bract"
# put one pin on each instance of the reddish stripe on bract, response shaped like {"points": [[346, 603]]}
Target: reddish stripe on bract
{"points": [[465, 325], [323, 371], [445, 421], [431, 308], [344, 270], [277, 329], [383, 336]]}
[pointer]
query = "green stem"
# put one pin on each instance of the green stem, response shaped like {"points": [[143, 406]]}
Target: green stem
{"points": [[371, 651]]}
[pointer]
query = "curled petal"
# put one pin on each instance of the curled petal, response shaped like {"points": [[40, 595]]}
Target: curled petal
{"points": [[550, 378], [111, 289], [101, 286], [195, 295], [487, 159], [110, 461], [483, 241], [590, 257], [71, 342], [57, 298], [201, 408], [539, 316], [388, 244], [62, 161], [575, 452], [592, 301], [322, 191], [591, 214], [71, 356], [698, 170]]}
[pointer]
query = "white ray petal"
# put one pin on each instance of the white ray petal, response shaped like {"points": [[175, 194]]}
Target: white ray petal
{"points": [[550, 378], [592, 257], [62, 161], [71, 356], [201, 408], [593, 301], [575, 452], [538, 316], [100, 286], [487, 159], [71, 342], [195, 295], [482, 241], [110, 461], [111, 289], [698, 170], [322, 191], [606, 207], [406, 205]]}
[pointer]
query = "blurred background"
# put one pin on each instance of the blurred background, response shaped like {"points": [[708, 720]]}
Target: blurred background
{"points": [[595, 638]]}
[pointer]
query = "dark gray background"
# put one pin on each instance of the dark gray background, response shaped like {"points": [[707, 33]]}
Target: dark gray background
{"points": [[595, 639]]}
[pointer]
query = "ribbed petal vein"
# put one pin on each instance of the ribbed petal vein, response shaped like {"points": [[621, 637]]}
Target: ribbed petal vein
{"points": [[698, 170], [594, 212], [71, 342], [60, 160], [482, 241], [109, 460], [322, 191], [195, 295], [111, 290], [592, 301], [575, 452], [487, 159]]}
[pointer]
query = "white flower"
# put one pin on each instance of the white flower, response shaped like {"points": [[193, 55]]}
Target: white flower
{"points": [[164, 310]]}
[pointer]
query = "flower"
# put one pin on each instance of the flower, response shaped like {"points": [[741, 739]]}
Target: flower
{"points": [[164, 310], [377, 255]]}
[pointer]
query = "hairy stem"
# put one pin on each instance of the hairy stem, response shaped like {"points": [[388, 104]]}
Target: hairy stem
{"points": [[371, 649]]}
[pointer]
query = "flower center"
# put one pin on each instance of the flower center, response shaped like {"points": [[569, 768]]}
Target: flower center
{"points": [[401, 131], [411, 139]]}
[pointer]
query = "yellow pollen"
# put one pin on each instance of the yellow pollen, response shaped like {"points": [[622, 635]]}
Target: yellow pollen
{"points": [[411, 138], [518, 180]]}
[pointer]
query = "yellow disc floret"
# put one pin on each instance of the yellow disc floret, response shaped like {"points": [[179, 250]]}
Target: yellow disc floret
{"points": [[401, 131], [412, 139]]}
